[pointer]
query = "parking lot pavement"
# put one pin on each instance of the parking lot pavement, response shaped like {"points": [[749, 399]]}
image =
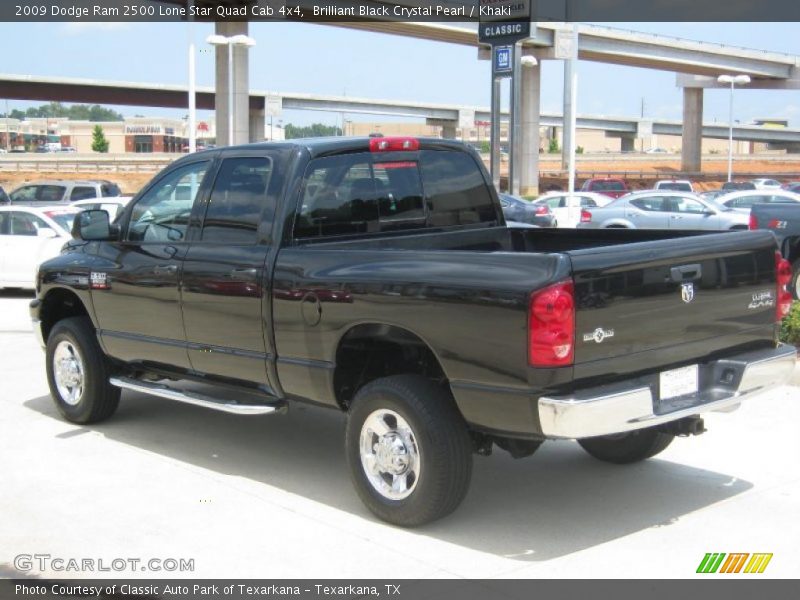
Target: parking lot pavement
{"points": [[271, 496]]}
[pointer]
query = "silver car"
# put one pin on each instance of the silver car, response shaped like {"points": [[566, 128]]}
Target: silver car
{"points": [[663, 210]]}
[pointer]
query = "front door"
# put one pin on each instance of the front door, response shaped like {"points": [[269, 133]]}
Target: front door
{"points": [[226, 283], [135, 290]]}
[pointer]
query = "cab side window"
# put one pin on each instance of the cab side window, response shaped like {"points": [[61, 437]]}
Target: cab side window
{"points": [[237, 200], [162, 214]]}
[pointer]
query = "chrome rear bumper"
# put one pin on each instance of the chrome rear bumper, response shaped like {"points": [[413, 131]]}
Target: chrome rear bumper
{"points": [[630, 405]]}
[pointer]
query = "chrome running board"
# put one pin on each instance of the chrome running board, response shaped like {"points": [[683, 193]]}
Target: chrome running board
{"points": [[197, 399]]}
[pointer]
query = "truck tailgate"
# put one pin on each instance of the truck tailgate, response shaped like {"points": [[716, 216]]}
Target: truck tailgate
{"points": [[672, 301]]}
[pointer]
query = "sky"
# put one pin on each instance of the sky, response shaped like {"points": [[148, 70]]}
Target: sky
{"points": [[297, 57]]}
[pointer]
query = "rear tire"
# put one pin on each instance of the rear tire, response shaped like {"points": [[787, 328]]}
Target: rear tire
{"points": [[408, 449], [626, 448], [794, 284], [78, 372]]}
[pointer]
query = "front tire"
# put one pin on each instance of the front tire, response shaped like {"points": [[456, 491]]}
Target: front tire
{"points": [[626, 448], [78, 372], [408, 450]]}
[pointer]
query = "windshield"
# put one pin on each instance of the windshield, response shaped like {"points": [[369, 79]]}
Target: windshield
{"points": [[63, 218], [675, 185], [608, 186]]}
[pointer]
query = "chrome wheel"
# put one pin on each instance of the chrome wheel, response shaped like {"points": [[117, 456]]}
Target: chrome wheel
{"points": [[389, 454], [68, 372]]}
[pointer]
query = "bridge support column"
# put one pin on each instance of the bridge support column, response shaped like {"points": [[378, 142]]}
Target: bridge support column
{"points": [[529, 147], [449, 130], [241, 86], [257, 125], [692, 139]]}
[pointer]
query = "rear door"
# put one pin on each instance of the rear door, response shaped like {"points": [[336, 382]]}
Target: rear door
{"points": [[225, 283], [648, 212]]}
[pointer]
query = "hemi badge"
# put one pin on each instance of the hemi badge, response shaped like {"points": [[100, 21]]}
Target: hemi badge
{"points": [[98, 281]]}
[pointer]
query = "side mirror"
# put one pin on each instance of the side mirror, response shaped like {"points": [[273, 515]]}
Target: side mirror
{"points": [[92, 225]]}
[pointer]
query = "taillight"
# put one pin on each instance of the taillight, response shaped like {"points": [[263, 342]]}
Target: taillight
{"points": [[586, 216], [542, 210], [551, 326], [753, 222], [393, 144], [783, 276]]}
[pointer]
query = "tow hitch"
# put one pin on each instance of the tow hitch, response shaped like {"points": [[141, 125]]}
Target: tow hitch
{"points": [[684, 427]]}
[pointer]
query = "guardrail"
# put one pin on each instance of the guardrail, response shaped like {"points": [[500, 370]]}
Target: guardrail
{"points": [[78, 164]]}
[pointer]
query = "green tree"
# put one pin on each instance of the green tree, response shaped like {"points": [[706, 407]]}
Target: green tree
{"points": [[313, 130], [552, 147], [76, 112], [99, 141]]}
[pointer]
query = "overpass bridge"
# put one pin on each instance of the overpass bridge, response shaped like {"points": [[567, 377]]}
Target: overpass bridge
{"points": [[69, 89], [697, 64]]}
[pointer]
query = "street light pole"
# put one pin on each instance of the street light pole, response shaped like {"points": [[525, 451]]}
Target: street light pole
{"points": [[192, 85], [732, 80]]}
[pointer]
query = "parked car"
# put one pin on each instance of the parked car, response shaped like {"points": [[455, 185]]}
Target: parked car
{"points": [[792, 186], [663, 210], [567, 207], [63, 191], [783, 220], [3, 196], [733, 186], [675, 185], [67, 149], [766, 184], [746, 199], [614, 188], [28, 236], [520, 210], [113, 206], [375, 276], [656, 151]]}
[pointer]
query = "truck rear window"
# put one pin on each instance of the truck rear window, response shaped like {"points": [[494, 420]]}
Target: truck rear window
{"points": [[365, 193]]}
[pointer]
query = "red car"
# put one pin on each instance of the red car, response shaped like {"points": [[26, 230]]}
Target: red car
{"points": [[607, 186]]}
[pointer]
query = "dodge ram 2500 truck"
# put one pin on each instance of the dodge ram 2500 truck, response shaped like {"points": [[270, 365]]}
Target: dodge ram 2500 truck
{"points": [[376, 276]]}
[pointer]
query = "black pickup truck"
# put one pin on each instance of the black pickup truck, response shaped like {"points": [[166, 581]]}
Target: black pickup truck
{"points": [[377, 276], [784, 221]]}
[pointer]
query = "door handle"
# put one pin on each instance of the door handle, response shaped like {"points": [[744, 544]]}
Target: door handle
{"points": [[165, 269], [244, 274]]}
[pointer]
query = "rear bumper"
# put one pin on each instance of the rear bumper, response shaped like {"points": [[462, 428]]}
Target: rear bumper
{"points": [[630, 405]]}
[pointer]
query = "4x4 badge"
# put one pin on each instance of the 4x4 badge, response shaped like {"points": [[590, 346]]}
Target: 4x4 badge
{"points": [[687, 292]]}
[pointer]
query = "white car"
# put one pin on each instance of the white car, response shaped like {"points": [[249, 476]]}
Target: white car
{"points": [[113, 206], [28, 237], [674, 185], [745, 199], [766, 184], [567, 207]]}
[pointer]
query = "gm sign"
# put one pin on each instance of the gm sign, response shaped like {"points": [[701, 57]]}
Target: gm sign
{"points": [[504, 21]]}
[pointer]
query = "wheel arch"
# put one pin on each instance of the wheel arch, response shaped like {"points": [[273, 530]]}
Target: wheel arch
{"points": [[370, 350], [60, 303]]}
